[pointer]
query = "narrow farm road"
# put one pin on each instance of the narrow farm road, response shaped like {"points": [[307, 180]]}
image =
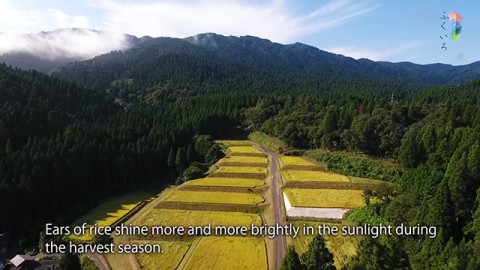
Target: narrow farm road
{"points": [[280, 241]]}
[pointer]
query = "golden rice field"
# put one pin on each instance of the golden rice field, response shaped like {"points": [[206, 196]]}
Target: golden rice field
{"points": [[225, 182], [244, 149], [225, 169], [325, 198], [290, 160], [228, 253], [110, 211], [245, 159], [235, 142], [312, 176], [173, 253], [214, 197], [168, 217]]}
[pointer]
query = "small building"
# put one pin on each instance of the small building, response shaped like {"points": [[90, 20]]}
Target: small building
{"points": [[24, 262]]}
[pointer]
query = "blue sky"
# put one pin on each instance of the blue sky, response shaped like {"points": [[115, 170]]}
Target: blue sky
{"points": [[390, 30]]}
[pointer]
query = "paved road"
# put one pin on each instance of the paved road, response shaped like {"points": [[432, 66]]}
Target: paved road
{"points": [[280, 241]]}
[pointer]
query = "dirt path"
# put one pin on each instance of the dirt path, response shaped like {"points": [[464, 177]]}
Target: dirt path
{"points": [[280, 241]]}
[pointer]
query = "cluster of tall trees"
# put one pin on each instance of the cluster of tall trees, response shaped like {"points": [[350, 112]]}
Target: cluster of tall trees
{"points": [[64, 147], [316, 257], [432, 132]]}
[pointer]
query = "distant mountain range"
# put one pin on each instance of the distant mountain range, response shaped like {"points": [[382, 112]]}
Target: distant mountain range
{"points": [[221, 56]]}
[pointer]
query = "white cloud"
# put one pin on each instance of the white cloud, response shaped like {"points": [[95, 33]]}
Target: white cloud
{"points": [[379, 54], [72, 43], [273, 19]]}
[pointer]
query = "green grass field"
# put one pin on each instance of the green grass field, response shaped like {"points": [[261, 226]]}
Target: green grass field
{"points": [[110, 211], [228, 253], [225, 169], [167, 217], [325, 198], [173, 253], [244, 159], [290, 160], [305, 175], [244, 149], [225, 182], [214, 197]]}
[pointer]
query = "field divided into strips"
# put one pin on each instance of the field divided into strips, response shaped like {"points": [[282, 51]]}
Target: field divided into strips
{"points": [[228, 253], [214, 197], [313, 176], [109, 212], [325, 198], [292, 160], [173, 253], [225, 182], [171, 217]]}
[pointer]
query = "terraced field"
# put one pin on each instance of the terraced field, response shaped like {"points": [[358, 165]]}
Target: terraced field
{"points": [[169, 217], [225, 182], [244, 150], [214, 197], [245, 159], [229, 196], [225, 169], [173, 253], [312, 176], [228, 253], [291, 160], [323, 198], [110, 211]]}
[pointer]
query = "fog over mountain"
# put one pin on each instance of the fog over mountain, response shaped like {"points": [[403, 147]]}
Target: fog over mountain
{"points": [[46, 50]]}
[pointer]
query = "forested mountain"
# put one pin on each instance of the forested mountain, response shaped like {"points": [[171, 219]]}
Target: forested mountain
{"points": [[256, 64], [116, 123], [65, 147]]}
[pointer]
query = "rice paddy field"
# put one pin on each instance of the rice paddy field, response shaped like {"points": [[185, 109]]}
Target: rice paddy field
{"points": [[214, 197], [228, 253], [173, 253], [325, 198], [311, 176], [110, 211], [291, 160], [235, 142], [168, 217], [228, 169], [245, 159], [225, 182], [244, 150]]}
